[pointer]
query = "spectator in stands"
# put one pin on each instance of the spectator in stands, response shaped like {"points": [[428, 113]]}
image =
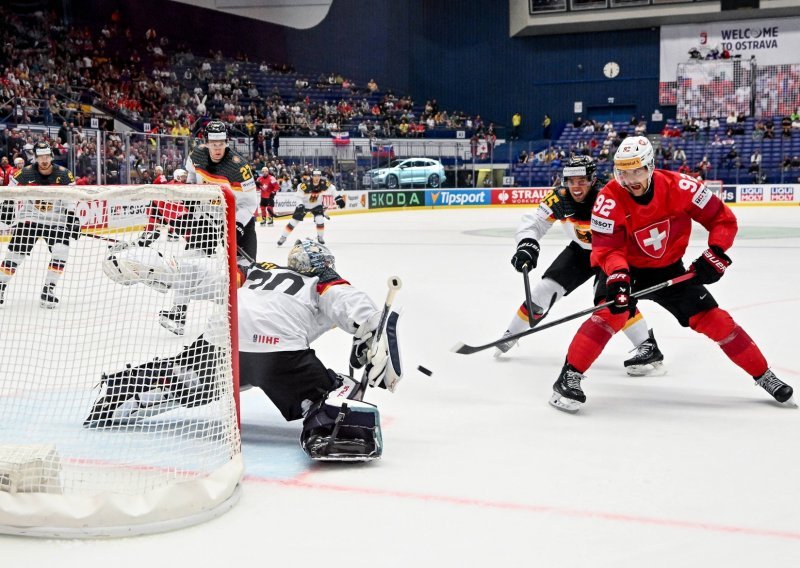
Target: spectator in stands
{"points": [[758, 131], [713, 123], [665, 154], [684, 168], [704, 167], [731, 157], [786, 164], [546, 127], [769, 130], [731, 118], [795, 162], [641, 128], [516, 124], [158, 176], [679, 155], [755, 162], [786, 127], [372, 86]]}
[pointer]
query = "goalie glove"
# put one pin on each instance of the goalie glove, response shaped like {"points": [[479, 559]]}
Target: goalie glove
{"points": [[383, 367], [362, 340]]}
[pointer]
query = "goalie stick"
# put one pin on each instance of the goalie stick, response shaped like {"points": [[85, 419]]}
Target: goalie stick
{"points": [[394, 283], [464, 349]]}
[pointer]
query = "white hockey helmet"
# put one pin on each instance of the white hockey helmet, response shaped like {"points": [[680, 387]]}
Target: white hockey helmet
{"points": [[310, 257], [178, 174], [633, 154]]}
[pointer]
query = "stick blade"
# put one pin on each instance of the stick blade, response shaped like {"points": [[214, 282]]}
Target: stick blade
{"points": [[463, 349]]}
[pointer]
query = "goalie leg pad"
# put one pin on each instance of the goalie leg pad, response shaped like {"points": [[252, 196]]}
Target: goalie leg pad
{"points": [[342, 428]]}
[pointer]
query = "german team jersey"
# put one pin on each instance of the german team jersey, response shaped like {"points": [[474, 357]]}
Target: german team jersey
{"points": [[288, 310], [630, 233], [232, 170], [42, 211], [310, 194], [577, 227]]}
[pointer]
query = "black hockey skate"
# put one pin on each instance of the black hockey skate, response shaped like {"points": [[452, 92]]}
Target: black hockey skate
{"points": [[271, 221], [174, 319], [779, 390], [281, 240], [48, 297], [505, 347], [320, 240], [263, 222], [3, 293], [567, 393], [648, 359]]}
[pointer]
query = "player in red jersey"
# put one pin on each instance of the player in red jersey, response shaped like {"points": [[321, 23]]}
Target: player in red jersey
{"points": [[641, 223], [268, 186]]}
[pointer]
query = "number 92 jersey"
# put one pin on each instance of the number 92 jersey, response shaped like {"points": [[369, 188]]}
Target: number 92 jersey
{"points": [[284, 310], [628, 231]]}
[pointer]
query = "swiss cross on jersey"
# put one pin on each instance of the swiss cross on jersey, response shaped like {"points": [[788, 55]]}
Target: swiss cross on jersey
{"points": [[653, 239]]}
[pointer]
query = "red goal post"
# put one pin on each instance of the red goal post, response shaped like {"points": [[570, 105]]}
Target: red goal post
{"points": [[179, 466]]}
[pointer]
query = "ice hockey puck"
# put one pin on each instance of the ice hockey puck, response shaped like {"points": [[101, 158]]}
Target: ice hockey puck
{"points": [[424, 371]]}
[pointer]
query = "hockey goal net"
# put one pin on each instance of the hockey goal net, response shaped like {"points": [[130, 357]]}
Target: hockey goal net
{"points": [[60, 473]]}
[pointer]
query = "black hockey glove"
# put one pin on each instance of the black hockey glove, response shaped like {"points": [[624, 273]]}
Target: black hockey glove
{"points": [[527, 254], [340, 201], [239, 230], [560, 202], [618, 290], [711, 265]]}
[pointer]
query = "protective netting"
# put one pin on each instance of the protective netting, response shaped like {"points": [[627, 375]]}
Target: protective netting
{"points": [[164, 444], [777, 90], [713, 88]]}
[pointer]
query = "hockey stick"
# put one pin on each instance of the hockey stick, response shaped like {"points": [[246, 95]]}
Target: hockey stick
{"points": [[528, 301], [394, 283], [465, 349]]}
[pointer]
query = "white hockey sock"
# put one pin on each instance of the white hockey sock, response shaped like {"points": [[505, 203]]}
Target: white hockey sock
{"points": [[636, 330]]}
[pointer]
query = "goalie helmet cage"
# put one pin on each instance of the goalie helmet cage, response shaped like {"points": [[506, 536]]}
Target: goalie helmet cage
{"points": [[59, 478]]}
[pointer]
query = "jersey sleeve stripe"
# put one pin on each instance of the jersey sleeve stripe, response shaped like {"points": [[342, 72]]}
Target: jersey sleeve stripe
{"points": [[323, 287]]}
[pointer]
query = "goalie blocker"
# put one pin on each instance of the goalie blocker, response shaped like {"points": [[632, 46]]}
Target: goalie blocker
{"points": [[281, 311]]}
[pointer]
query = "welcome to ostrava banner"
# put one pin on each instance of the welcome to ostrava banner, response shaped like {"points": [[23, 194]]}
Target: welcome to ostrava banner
{"points": [[774, 41]]}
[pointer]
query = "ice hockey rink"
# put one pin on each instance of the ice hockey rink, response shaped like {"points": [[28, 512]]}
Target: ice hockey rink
{"points": [[694, 468]]}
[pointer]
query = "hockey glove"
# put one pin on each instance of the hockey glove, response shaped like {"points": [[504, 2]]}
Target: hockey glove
{"points": [[618, 290], [711, 265], [340, 201], [362, 340], [527, 254], [239, 230], [318, 210], [560, 202]]}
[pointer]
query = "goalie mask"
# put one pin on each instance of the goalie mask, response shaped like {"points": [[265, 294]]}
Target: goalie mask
{"points": [[310, 257], [634, 162]]}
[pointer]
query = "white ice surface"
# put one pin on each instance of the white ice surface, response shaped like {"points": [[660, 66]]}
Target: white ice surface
{"points": [[695, 468]]}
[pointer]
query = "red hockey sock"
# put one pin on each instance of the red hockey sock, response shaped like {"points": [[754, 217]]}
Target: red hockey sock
{"points": [[592, 337], [718, 325]]}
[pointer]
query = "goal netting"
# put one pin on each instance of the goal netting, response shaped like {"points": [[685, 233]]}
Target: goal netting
{"points": [[164, 451]]}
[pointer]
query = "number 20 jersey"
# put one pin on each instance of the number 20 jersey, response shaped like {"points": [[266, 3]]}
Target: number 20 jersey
{"points": [[284, 310], [627, 232]]}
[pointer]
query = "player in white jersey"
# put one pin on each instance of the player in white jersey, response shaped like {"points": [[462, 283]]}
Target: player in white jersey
{"points": [[53, 221], [309, 194], [282, 310], [572, 205]]}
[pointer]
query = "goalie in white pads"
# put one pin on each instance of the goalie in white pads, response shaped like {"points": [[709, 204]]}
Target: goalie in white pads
{"points": [[282, 310]]}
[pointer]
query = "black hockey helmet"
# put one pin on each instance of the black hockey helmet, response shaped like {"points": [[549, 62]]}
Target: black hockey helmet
{"points": [[580, 166], [215, 130], [42, 148]]}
